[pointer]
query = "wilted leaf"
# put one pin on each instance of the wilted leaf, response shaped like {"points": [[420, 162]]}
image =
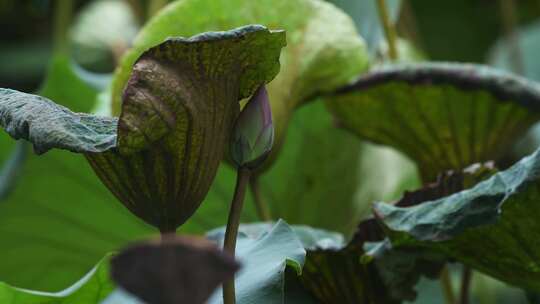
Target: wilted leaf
{"points": [[177, 113], [56, 203], [444, 116], [48, 125], [175, 270], [91, 289], [487, 227], [323, 50], [264, 255], [181, 100]]}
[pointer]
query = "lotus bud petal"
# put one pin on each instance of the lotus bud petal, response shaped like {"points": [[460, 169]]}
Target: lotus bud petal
{"points": [[253, 133]]}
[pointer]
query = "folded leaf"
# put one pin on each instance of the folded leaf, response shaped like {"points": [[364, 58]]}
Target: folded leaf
{"points": [[442, 115], [48, 125], [177, 113], [324, 50], [264, 254], [59, 202], [487, 227]]}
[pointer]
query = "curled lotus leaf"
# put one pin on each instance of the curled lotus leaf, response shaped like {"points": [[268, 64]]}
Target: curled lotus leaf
{"points": [[160, 157], [324, 50], [487, 227], [444, 116], [49, 125]]}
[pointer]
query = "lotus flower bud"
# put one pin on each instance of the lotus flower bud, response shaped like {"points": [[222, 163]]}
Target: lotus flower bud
{"points": [[253, 133]]}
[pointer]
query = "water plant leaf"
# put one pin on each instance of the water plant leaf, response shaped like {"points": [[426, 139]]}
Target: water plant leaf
{"points": [[442, 115], [487, 227], [264, 255], [177, 269], [56, 203], [321, 55], [160, 157], [177, 113], [48, 125], [92, 288]]}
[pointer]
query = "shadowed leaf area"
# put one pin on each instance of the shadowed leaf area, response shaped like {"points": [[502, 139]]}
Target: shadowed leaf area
{"points": [[444, 116], [487, 227]]}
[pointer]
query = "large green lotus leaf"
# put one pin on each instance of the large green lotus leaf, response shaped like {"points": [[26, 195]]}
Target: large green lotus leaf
{"points": [[92, 288], [57, 219], [265, 254], [323, 49], [442, 115], [333, 271], [487, 227]]}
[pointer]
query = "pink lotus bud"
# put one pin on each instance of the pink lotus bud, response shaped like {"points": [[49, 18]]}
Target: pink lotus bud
{"points": [[253, 133]]}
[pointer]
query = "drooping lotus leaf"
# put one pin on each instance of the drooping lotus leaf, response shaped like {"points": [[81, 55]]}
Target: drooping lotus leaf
{"points": [[160, 157], [92, 288], [442, 115], [173, 270], [323, 50], [333, 271], [264, 251], [400, 268], [48, 125], [489, 227]]}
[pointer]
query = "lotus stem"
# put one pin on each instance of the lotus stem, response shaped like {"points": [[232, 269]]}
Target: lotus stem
{"points": [[509, 19], [446, 285], [229, 244], [62, 19], [389, 29], [465, 285], [262, 208]]}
